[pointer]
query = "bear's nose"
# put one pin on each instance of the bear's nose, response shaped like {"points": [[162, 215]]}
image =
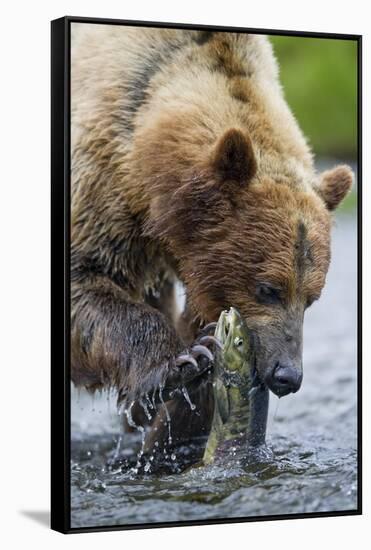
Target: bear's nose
{"points": [[286, 379]]}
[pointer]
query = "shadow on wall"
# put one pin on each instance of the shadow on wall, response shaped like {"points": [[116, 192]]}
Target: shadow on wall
{"points": [[42, 517]]}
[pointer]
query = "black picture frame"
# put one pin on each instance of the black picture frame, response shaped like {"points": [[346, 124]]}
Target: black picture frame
{"points": [[60, 269]]}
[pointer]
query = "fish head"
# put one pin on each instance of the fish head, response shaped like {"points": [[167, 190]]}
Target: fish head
{"points": [[232, 332]]}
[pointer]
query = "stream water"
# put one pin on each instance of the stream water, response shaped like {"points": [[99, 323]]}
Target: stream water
{"points": [[312, 435]]}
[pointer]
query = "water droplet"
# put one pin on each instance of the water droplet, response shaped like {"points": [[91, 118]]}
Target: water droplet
{"points": [[134, 425], [168, 419], [145, 408], [187, 398], [150, 404], [117, 450]]}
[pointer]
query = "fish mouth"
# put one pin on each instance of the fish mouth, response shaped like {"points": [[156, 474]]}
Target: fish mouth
{"points": [[226, 324]]}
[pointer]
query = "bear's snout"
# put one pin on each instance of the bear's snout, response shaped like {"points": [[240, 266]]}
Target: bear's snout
{"points": [[278, 358], [285, 379]]}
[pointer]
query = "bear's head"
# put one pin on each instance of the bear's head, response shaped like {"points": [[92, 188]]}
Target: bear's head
{"points": [[256, 242]]}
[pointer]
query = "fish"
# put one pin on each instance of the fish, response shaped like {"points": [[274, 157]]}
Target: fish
{"points": [[240, 400]]}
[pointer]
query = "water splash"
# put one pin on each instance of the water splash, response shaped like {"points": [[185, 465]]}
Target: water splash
{"points": [[154, 399], [149, 402], [168, 419], [143, 404], [117, 449], [187, 398], [128, 413]]}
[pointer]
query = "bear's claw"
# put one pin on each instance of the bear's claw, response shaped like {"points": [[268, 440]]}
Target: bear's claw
{"points": [[208, 329], [185, 358], [199, 349], [211, 340], [191, 364]]}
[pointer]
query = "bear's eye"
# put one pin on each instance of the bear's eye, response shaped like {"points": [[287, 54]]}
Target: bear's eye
{"points": [[268, 294]]}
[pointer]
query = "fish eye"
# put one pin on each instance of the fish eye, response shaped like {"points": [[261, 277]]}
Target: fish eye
{"points": [[238, 342], [267, 294]]}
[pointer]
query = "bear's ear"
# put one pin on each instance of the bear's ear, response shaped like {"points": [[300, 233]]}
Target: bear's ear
{"points": [[334, 185], [233, 157]]}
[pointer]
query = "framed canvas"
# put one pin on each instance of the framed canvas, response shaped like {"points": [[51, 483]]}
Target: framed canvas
{"points": [[206, 274]]}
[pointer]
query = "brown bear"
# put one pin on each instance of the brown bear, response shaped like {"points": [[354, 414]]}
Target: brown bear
{"points": [[187, 165]]}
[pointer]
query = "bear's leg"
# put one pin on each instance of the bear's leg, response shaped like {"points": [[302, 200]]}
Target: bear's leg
{"points": [[117, 342], [164, 300], [188, 425]]}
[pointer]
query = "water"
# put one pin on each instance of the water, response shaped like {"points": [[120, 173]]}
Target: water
{"points": [[312, 463]]}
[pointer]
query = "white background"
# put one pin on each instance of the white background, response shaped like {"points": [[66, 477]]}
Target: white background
{"points": [[24, 218]]}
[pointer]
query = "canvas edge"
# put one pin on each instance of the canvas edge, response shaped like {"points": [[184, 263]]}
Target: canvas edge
{"points": [[60, 201], [60, 280]]}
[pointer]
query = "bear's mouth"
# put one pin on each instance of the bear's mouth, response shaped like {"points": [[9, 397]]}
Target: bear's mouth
{"points": [[256, 380]]}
